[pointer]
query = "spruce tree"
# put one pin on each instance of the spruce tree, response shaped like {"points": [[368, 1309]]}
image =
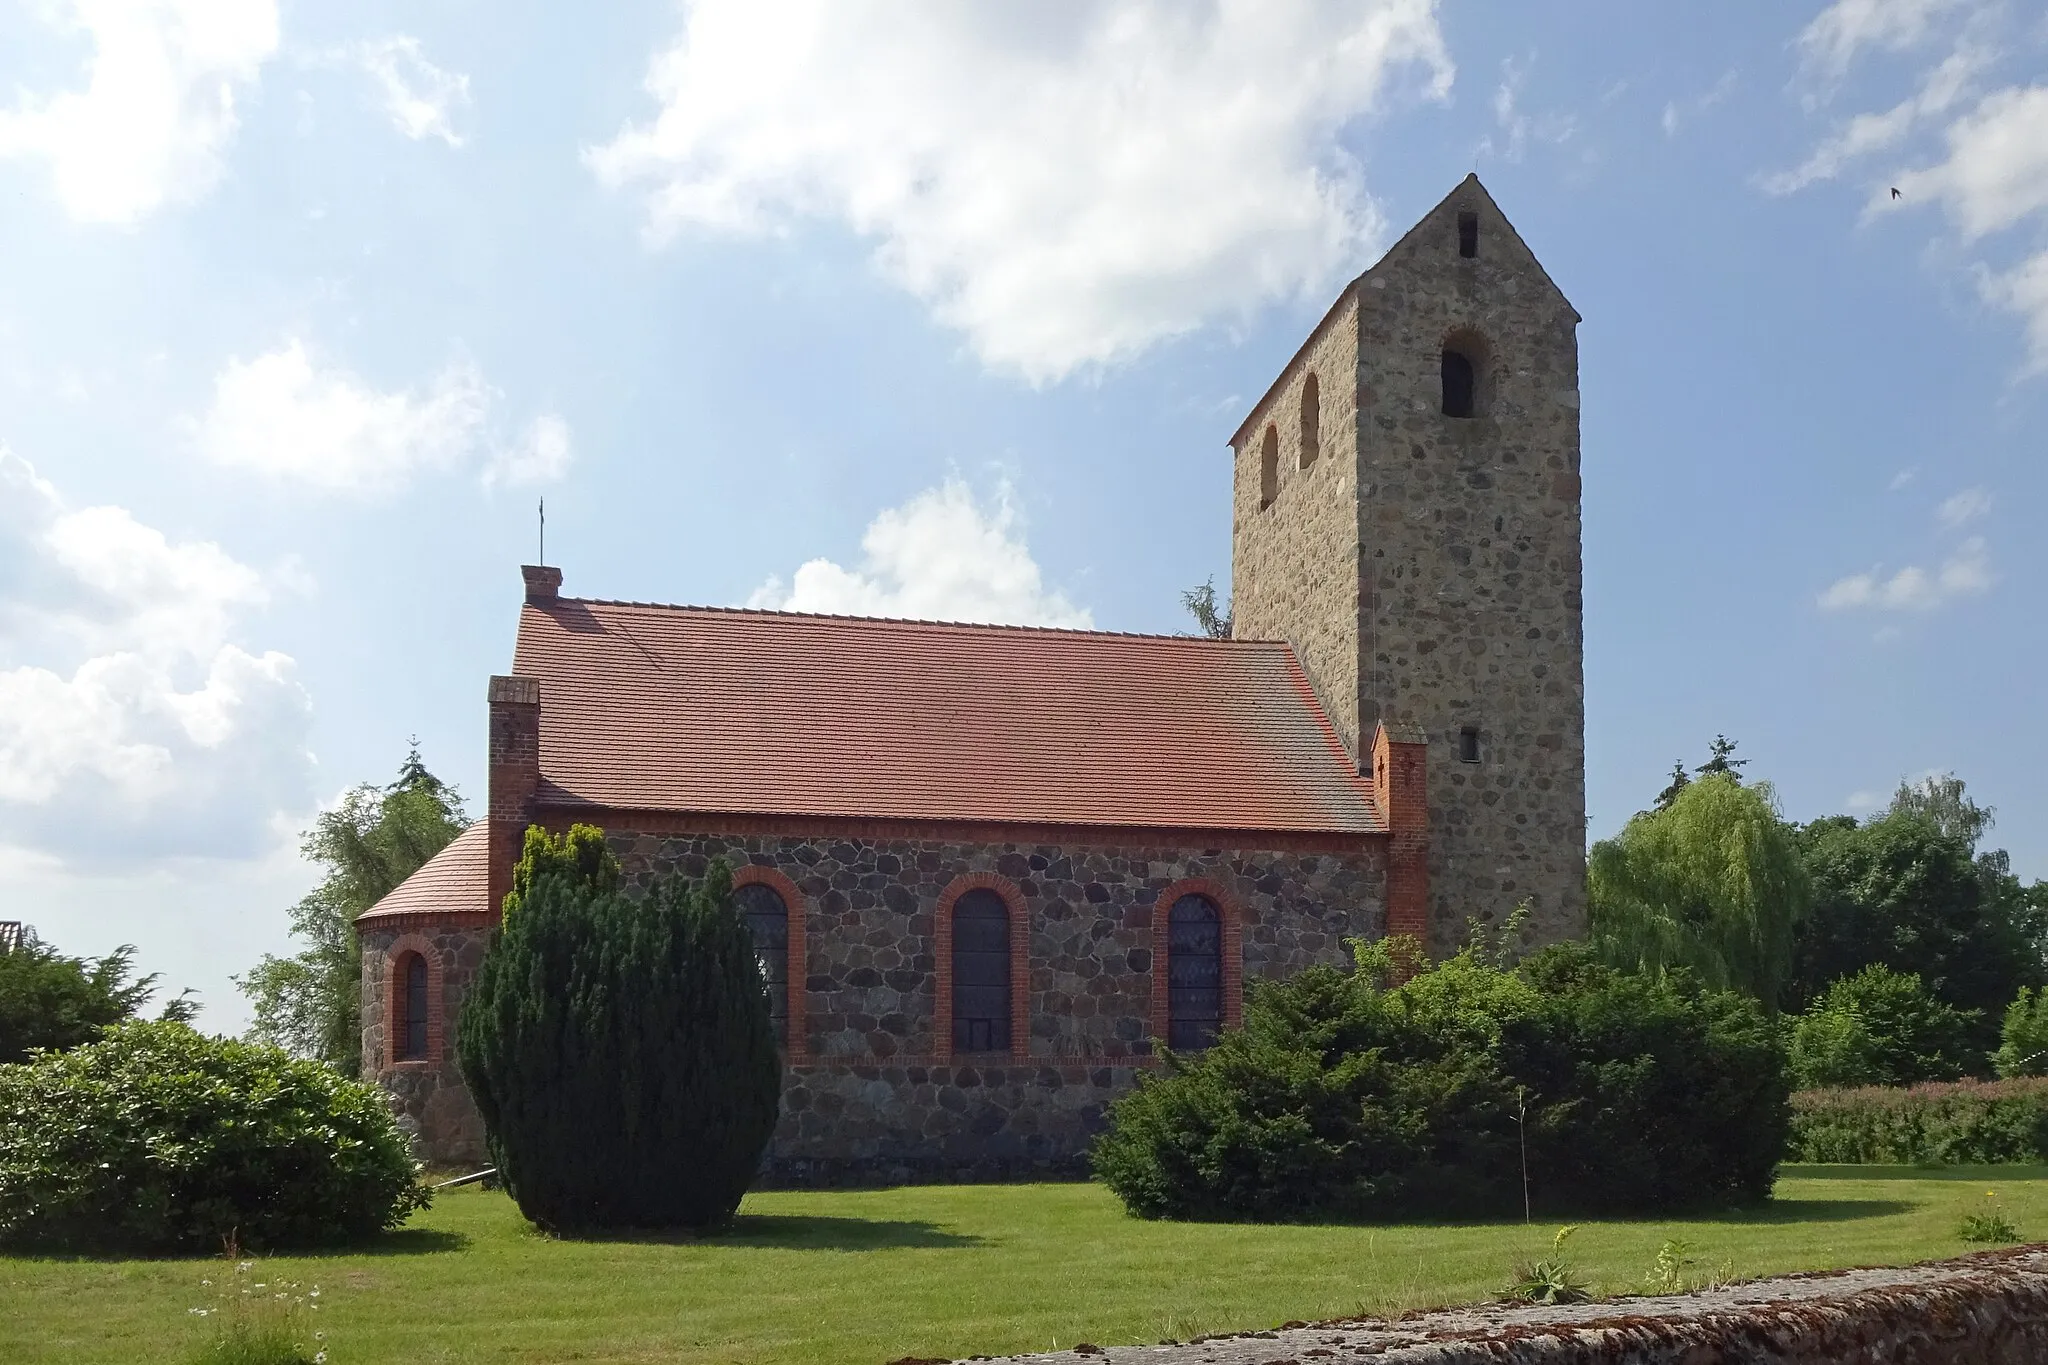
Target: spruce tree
{"points": [[622, 1054]]}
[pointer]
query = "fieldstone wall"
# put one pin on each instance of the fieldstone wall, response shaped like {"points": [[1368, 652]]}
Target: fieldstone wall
{"points": [[433, 1105], [873, 1094], [1459, 564]]}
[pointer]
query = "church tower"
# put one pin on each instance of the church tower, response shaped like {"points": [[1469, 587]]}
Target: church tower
{"points": [[1406, 515]]}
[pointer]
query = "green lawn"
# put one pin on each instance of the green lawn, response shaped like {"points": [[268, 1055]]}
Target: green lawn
{"points": [[859, 1278]]}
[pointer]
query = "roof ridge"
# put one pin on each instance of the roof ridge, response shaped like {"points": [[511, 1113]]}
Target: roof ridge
{"points": [[913, 621]]}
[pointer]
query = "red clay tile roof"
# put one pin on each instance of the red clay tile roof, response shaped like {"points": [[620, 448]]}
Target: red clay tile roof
{"points": [[452, 881], [711, 710]]}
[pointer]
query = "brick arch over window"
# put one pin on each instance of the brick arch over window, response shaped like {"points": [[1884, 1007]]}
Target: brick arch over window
{"points": [[796, 1042], [1232, 916], [1020, 961], [404, 950]]}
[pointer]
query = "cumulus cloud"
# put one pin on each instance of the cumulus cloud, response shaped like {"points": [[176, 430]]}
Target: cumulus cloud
{"points": [[156, 110], [132, 727], [541, 455], [288, 418], [1966, 573], [1065, 184], [942, 556], [419, 97]]}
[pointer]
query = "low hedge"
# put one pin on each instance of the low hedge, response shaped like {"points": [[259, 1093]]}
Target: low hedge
{"points": [[1939, 1123]]}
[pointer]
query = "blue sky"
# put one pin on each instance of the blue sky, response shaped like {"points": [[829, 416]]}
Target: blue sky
{"points": [[950, 311]]}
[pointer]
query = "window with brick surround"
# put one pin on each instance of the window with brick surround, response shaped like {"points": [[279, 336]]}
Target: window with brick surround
{"points": [[1269, 467], [981, 973], [767, 917], [1194, 973], [411, 1042], [1311, 420]]}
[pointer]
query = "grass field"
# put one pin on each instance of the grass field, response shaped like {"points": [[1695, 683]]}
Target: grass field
{"points": [[859, 1278]]}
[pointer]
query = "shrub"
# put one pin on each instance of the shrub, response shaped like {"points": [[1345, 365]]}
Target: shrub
{"points": [[157, 1138], [622, 1055], [1343, 1097], [2023, 1042], [1880, 1027], [1965, 1123]]}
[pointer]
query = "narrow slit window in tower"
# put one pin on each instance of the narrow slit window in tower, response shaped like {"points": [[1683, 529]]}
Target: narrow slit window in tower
{"points": [[1459, 384], [1311, 420], [1269, 467], [1468, 744], [1468, 234]]}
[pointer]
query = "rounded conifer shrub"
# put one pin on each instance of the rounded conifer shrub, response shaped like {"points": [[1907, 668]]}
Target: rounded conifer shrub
{"points": [[622, 1054], [158, 1138]]}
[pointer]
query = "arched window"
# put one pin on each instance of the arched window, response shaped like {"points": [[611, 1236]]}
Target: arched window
{"points": [[1269, 467], [767, 916], [412, 1013], [1194, 968], [1461, 384], [1311, 420], [981, 972]]}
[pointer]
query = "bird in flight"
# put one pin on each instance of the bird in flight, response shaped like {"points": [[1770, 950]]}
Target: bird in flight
{"points": [[1895, 191]]}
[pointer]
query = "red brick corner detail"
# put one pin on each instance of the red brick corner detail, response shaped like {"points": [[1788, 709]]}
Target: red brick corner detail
{"points": [[1400, 785], [1233, 951], [402, 948], [1020, 962], [797, 1046]]}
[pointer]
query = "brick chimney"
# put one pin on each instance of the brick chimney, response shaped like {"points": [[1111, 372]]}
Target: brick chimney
{"points": [[543, 584], [514, 773], [1400, 788]]}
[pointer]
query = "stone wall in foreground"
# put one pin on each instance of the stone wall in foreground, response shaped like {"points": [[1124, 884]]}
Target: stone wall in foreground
{"points": [[1986, 1309]]}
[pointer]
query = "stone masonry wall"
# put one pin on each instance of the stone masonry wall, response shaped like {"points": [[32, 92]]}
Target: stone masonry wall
{"points": [[433, 1105], [872, 1094]]}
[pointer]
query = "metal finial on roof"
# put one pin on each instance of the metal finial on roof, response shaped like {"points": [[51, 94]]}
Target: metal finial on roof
{"points": [[543, 532]]}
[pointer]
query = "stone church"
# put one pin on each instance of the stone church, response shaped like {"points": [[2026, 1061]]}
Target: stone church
{"points": [[988, 867]]}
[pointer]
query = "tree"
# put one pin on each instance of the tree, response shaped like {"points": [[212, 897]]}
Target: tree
{"points": [[1881, 1027], [581, 855], [1713, 883], [1944, 803], [620, 1049], [311, 1003], [1201, 604], [1679, 782], [1897, 891], [1721, 760], [48, 1000], [2023, 1041]]}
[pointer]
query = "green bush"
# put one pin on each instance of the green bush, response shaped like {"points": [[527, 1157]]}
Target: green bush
{"points": [[622, 1054], [1881, 1027], [158, 1138], [1344, 1098], [2023, 1042], [1962, 1123]]}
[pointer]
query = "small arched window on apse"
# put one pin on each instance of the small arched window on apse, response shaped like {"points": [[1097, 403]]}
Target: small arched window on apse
{"points": [[1464, 375], [1194, 973], [1269, 467], [411, 1040], [981, 972], [1311, 420], [767, 916]]}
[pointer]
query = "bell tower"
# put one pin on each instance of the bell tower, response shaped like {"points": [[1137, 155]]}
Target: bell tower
{"points": [[1407, 516]]}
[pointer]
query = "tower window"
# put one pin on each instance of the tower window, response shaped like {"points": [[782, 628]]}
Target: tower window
{"points": [[1311, 420], [1269, 467], [1468, 744], [1468, 234], [1461, 384]]}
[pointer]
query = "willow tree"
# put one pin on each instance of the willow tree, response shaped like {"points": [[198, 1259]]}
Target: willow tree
{"points": [[1713, 882]]}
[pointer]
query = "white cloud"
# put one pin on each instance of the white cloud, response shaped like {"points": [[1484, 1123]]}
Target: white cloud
{"points": [[939, 557], [1996, 171], [1867, 134], [1966, 573], [285, 417], [419, 97], [1064, 184], [157, 108], [1964, 507], [1676, 114], [1844, 29], [1519, 127], [1903, 478], [132, 727], [541, 455]]}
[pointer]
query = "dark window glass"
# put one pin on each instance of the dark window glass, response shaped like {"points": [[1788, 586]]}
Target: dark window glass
{"points": [[1459, 383], [768, 919], [414, 1035], [1468, 234], [1468, 744], [981, 973], [1194, 973]]}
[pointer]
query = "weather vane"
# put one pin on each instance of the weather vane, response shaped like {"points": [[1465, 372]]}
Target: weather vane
{"points": [[543, 530]]}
